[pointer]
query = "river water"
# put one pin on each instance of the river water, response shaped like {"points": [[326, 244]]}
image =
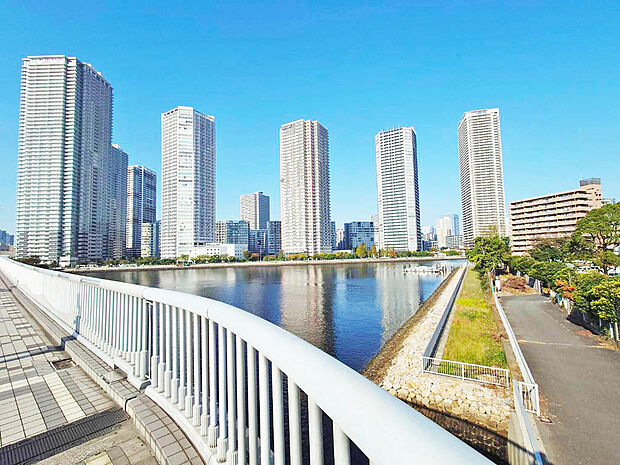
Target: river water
{"points": [[347, 310]]}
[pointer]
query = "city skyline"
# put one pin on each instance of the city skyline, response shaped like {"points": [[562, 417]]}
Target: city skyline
{"points": [[409, 83]]}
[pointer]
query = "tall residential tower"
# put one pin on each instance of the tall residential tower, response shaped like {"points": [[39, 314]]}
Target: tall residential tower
{"points": [[482, 176], [116, 185], [304, 187], [255, 209], [65, 133], [397, 189], [188, 180], [141, 205]]}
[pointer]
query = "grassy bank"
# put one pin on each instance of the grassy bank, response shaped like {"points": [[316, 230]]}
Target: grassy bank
{"points": [[473, 336]]}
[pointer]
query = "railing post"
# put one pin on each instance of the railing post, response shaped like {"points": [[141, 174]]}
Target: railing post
{"points": [[155, 344], [189, 374], [197, 374], [240, 358], [252, 407], [294, 422], [174, 382], [222, 440], [462, 371], [231, 455], [204, 417], [213, 426], [278, 416], [144, 355], [342, 452], [315, 420], [265, 421]]}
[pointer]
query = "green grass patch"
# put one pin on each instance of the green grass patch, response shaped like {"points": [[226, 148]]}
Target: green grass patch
{"points": [[473, 336]]}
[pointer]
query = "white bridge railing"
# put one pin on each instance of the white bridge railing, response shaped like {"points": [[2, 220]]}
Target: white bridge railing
{"points": [[469, 371], [244, 390]]}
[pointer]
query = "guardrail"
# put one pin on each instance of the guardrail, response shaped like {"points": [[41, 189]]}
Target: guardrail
{"points": [[532, 454], [234, 382], [529, 391], [466, 371]]}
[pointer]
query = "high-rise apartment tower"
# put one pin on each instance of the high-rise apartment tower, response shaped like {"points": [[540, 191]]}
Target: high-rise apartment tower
{"points": [[65, 133], [141, 205], [397, 189], [482, 176], [255, 209], [304, 187], [188, 180]]}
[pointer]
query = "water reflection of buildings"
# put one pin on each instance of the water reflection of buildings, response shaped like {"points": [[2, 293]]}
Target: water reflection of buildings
{"points": [[399, 295], [306, 304]]}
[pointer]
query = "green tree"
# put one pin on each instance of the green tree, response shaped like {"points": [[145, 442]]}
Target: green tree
{"points": [[596, 236], [549, 250], [361, 251], [489, 253], [605, 301], [247, 254], [373, 251]]}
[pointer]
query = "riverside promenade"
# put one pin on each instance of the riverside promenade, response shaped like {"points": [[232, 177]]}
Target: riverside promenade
{"points": [[52, 411], [579, 379]]}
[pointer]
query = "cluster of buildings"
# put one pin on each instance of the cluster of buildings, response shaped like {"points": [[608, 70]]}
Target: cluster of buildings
{"points": [[79, 200]]}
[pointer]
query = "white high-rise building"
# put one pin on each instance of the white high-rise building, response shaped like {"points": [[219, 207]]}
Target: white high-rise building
{"points": [[447, 225], [255, 210], [482, 176], [397, 189], [188, 180], [141, 205], [304, 188], [116, 185], [65, 137]]}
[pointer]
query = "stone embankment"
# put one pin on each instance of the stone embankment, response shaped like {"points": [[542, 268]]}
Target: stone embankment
{"points": [[398, 369]]}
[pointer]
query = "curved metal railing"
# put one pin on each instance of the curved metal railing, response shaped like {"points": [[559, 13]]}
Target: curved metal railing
{"points": [[241, 388]]}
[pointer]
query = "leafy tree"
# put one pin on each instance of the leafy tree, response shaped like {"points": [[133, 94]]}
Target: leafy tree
{"points": [[605, 300], [489, 253], [596, 235], [549, 250], [361, 251], [247, 254], [583, 285], [281, 256], [373, 251]]}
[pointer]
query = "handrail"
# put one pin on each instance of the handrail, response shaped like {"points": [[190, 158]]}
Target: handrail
{"points": [[529, 441], [205, 361]]}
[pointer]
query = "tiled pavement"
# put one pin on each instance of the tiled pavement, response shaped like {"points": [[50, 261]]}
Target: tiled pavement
{"points": [[34, 395]]}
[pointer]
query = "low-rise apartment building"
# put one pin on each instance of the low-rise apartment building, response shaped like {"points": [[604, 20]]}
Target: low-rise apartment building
{"points": [[551, 215]]}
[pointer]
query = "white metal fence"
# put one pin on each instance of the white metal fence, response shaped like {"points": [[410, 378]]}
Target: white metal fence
{"points": [[530, 397], [244, 390], [470, 371], [531, 452]]}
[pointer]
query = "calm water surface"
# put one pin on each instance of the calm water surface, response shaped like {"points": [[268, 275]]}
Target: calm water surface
{"points": [[347, 310]]}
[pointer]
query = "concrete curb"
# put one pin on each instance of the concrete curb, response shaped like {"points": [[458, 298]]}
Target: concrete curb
{"points": [[167, 441]]}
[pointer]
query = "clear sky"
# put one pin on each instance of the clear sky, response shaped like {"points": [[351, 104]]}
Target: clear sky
{"points": [[553, 69]]}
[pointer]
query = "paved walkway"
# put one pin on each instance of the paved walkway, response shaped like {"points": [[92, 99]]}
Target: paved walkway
{"points": [[42, 391], [579, 380]]}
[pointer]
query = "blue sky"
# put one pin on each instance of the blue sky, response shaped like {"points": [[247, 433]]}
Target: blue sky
{"points": [[553, 69]]}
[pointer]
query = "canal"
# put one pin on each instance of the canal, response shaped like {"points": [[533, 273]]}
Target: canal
{"points": [[347, 310]]}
